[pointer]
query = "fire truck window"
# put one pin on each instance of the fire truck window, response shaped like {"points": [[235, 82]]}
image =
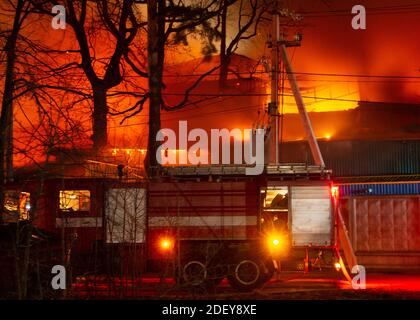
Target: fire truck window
{"points": [[75, 200], [276, 209], [16, 206], [277, 199]]}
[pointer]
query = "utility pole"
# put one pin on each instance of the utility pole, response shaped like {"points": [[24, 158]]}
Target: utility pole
{"points": [[272, 145], [278, 45]]}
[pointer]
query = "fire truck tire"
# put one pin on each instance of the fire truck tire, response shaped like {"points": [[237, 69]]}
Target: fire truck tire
{"points": [[268, 271], [246, 275], [194, 273]]}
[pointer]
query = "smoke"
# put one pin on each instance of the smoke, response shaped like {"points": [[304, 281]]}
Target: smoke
{"points": [[388, 47]]}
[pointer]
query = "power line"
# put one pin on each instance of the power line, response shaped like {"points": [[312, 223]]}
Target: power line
{"points": [[398, 9], [240, 109], [264, 72], [218, 113], [257, 95], [357, 75]]}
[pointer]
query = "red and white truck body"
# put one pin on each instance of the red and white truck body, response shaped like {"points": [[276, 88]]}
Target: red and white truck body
{"points": [[199, 221]]}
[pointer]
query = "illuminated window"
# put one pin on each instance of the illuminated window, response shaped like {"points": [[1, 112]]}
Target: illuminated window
{"points": [[276, 198], [75, 200], [16, 205], [275, 213]]}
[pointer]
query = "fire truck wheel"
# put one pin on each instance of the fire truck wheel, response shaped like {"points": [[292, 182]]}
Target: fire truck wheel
{"points": [[268, 271], [194, 273], [246, 275]]}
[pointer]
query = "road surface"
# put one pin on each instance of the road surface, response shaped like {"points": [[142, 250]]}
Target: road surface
{"points": [[292, 285]]}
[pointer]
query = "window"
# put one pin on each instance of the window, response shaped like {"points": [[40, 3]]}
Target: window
{"points": [[275, 210], [16, 205], [75, 200], [277, 199]]}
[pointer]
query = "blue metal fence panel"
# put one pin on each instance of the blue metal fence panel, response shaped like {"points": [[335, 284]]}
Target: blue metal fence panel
{"points": [[347, 190]]}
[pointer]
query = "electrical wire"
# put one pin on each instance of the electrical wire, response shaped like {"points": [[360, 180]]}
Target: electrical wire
{"points": [[326, 74], [398, 9]]}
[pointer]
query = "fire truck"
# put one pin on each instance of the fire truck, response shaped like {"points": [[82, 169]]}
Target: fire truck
{"points": [[203, 224]]}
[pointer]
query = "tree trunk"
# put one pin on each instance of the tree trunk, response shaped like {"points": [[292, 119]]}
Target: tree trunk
{"points": [[155, 48], [223, 57], [6, 118], [6, 121], [100, 111]]}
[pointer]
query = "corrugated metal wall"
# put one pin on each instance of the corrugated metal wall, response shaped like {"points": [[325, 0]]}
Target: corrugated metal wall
{"points": [[359, 157]]}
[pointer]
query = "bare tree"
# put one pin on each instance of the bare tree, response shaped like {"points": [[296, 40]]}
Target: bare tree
{"points": [[21, 10], [36, 109], [172, 23], [117, 19], [247, 15]]}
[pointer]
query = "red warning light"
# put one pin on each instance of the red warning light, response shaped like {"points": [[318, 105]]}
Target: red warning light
{"points": [[166, 244]]}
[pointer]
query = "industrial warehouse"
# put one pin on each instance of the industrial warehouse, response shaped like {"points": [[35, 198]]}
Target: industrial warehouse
{"points": [[169, 150]]}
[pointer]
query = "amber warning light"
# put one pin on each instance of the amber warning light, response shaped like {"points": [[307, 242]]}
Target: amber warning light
{"points": [[337, 266], [274, 242], [334, 191]]}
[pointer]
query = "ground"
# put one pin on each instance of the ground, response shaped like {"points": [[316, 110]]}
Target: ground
{"points": [[291, 285]]}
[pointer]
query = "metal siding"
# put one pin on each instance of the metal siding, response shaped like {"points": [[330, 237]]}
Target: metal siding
{"points": [[311, 215], [360, 225], [374, 223], [386, 224], [413, 224], [359, 157]]}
